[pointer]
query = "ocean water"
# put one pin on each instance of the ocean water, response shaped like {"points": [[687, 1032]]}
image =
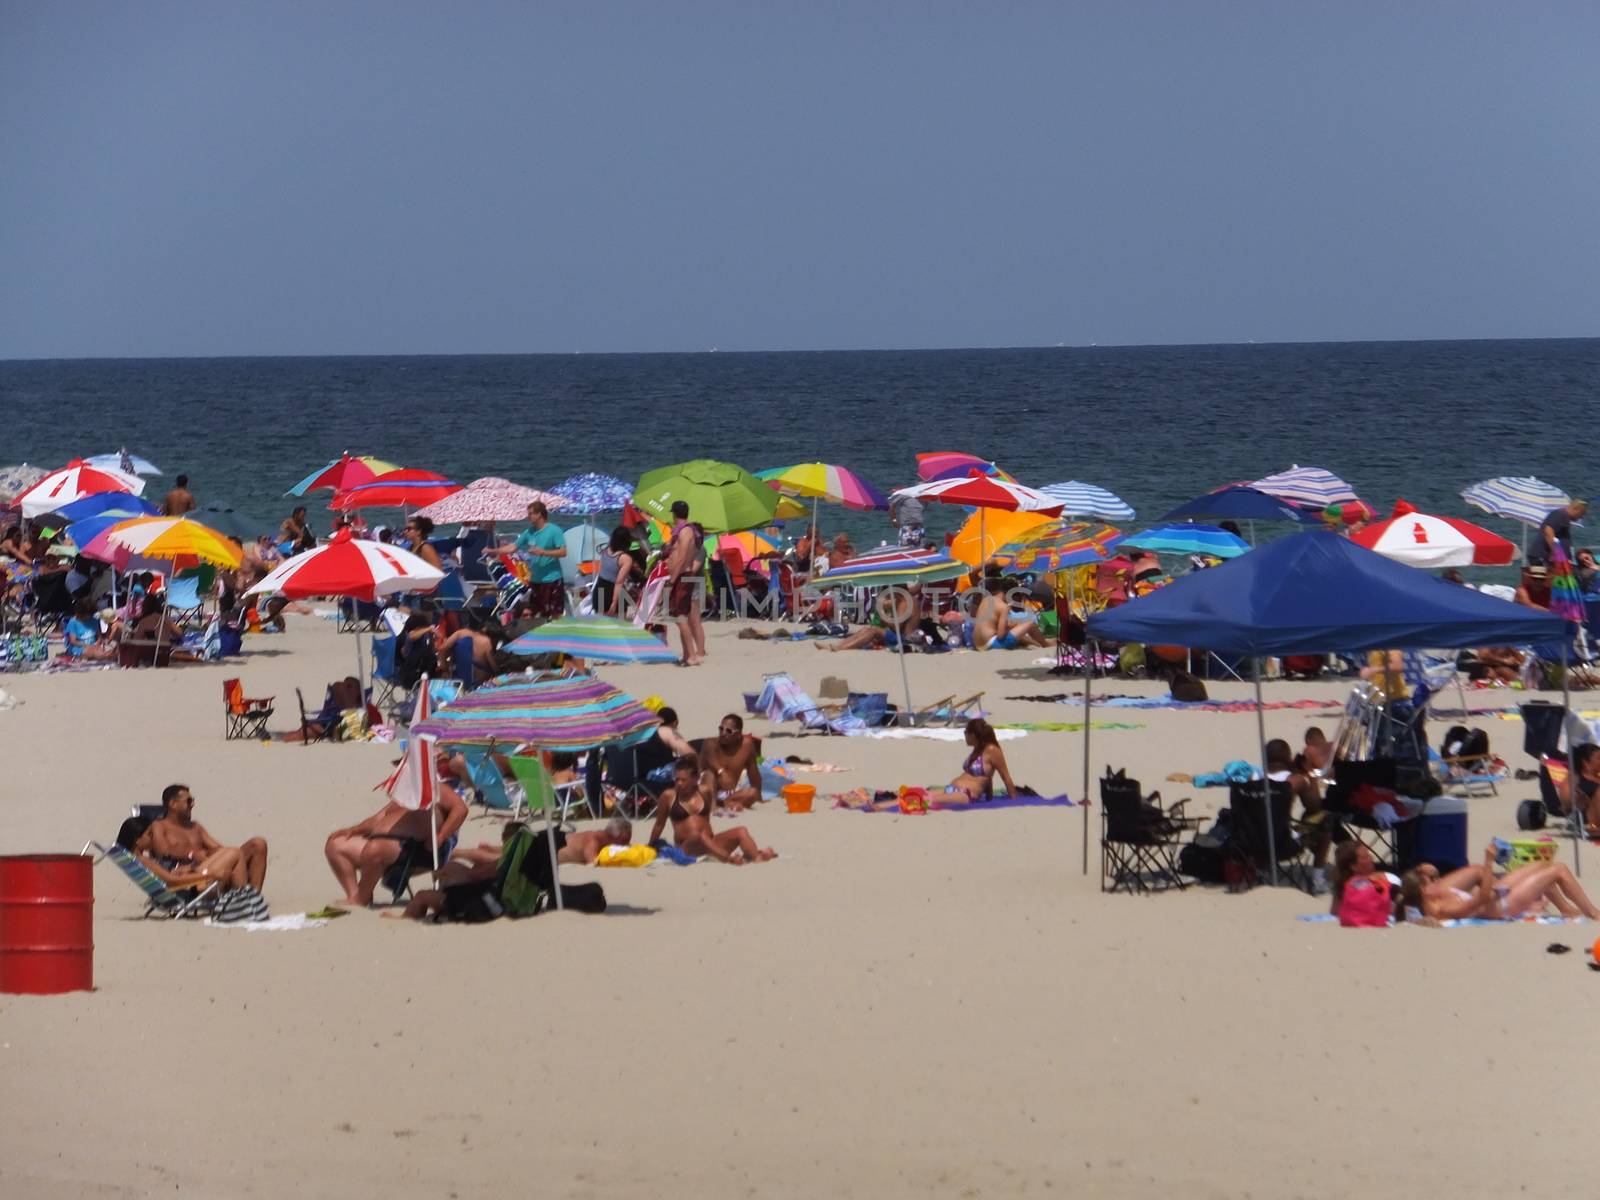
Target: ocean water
{"points": [[1156, 425]]}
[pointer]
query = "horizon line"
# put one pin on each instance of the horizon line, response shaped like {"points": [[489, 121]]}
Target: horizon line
{"points": [[808, 350]]}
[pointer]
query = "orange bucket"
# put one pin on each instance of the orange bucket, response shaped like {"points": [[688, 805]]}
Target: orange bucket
{"points": [[798, 796]]}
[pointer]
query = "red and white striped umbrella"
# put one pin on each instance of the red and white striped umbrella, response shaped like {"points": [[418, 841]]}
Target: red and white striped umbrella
{"points": [[405, 488], [488, 499], [1420, 540], [73, 482], [415, 782], [349, 566], [985, 491]]}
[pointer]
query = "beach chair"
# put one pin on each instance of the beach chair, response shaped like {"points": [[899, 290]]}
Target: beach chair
{"points": [[357, 616], [1462, 776], [242, 716], [488, 785], [540, 793], [1251, 850], [183, 598], [325, 720], [159, 898], [1348, 776], [781, 699], [463, 670], [1139, 839], [948, 711], [386, 688]]}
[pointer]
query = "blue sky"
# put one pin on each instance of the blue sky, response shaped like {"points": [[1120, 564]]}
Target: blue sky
{"points": [[296, 178]]}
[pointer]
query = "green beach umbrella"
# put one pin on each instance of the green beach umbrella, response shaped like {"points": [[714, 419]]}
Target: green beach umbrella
{"points": [[721, 497]]}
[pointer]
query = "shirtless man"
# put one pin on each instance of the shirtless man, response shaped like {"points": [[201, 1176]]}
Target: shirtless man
{"points": [[360, 854], [179, 500], [178, 841], [685, 803], [992, 627], [900, 611], [728, 756], [583, 848]]}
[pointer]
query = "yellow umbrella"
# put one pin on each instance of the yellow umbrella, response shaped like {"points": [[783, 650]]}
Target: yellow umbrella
{"points": [[994, 528]]}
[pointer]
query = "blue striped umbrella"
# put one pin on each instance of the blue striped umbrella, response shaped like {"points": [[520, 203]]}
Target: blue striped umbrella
{"points": [[1310, 486], [891, 566], [595, 639], [1189, 539], [1520, 498], [1087, 500]]}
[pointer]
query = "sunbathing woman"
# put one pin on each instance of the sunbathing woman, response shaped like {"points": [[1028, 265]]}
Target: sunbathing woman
{"points": [[1478, 892], [687, 804], [984, 761]]}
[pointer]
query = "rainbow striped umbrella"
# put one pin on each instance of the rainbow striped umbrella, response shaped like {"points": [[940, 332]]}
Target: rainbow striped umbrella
{"points": [[891, 566], [824, 481], [343, 473], [553, 714], [162, 544], [1566, 598], [1058, 544], [597, 639]]}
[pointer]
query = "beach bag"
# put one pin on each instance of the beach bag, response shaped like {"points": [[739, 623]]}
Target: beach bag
{"points": [[624, 856], [1203, 859], [239, 905], [1531, 814], [1367, 903]]}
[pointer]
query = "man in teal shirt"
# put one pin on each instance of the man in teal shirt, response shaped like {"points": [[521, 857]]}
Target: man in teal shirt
{"points": [[542, 546]]}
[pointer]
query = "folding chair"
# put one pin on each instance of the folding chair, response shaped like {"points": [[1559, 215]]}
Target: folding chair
{"points": [[386, 687], [947, 710], [327, 726], [243, 717], [1138, 838], [184, 602], [1249, 845], [159, 898], [357, 616], [1348, 777], [462, 667], [488, 785], [540, 793]]}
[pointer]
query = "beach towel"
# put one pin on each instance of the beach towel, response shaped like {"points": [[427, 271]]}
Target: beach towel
{"points": [[671, 854], [1224, 706], [864, 799], [625, 856], [1454, 923], [1237, 771], [1064, 726], [937, 735], [286, 923]]}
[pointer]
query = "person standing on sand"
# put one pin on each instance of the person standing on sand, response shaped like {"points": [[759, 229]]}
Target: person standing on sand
{"points": [[685, 563], [179, 500], [1556, 527], [542, 546], [905, 514]]}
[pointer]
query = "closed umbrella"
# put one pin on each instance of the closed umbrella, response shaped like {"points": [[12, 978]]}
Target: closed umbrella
{"points": [[721, 497], [595, 639]]}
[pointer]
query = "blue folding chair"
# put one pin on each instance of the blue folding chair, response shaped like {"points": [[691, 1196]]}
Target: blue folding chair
{"points": [[462, 669], [183, 599], [385, 685], [487, 783]]}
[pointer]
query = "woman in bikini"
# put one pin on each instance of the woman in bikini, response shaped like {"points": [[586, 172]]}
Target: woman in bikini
{"points": [[687, 804], [1479, 892], [984, 761]]}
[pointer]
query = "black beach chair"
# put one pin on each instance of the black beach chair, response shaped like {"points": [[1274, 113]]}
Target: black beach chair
{"points": [[1139, 840]]}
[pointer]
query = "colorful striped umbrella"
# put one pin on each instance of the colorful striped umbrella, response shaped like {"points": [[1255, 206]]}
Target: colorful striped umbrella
{"points": [[170, 543], [891, 566], [73, 482], [591, 493], [571, 714], [985, 491], [748, 544], [350, 566], [1188, 539], [343, 473], [1087, 500], [1517, 497], [825, 481], [1420, 540], [488, 499], [954, 464], [406, 488], [1311, 487], [595, 639], [1058, 544], [721, 497], [1566, 598]]}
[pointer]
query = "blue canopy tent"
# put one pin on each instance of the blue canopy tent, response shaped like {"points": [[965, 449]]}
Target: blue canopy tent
{"points": [[1312, 593], [1240, 503]]}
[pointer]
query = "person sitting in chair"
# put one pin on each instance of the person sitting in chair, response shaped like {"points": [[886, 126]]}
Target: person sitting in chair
{"points": [[728, 756], [359, 854], [180, 843], [993, 627], [687, 804], [342, 696]]}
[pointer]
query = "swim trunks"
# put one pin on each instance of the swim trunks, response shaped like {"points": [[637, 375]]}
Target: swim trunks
{"points": [[1006, 641], [681, 602], [547, 599]]}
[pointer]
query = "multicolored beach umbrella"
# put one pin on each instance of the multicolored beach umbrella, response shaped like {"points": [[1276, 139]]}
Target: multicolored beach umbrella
{"points": [[1516, 497], [591, 493], [162, 544], [825, 481], [1188, 539], [1087, 500], [1420, 540], [954, 464], [571, 714], [892, 566], [405, 488], [985, 491], [488, 499], [1310, 487], [721, 497], [350, 566], [1058, 544], [73, 482], [595, 639], [343, 473], [1566, 598]]}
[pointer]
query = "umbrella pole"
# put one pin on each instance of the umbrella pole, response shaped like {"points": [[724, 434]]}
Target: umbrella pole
{"points": [[1573, 791], [1088, 675], [1266, 784], [433, 825], [905, 680], [550, 837]]}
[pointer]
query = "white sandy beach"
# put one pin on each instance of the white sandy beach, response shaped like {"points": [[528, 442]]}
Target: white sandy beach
{"points": [[935, 1005]]}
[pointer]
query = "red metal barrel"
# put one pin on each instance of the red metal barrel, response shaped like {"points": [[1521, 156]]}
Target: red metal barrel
{"points": [[46, 923]]}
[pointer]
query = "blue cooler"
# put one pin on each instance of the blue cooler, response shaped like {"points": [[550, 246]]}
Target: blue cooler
{"points": [[1439, 835]]}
